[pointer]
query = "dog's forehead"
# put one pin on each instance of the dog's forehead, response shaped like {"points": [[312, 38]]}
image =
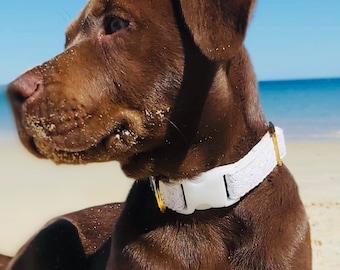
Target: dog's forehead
{"points": [[140, 10], [98, 7]]}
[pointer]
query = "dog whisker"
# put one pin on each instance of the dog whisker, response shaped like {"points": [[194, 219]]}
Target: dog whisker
{"points": [[177, 128]]}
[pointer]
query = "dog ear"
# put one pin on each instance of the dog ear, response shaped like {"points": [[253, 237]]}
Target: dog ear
{"points": [[218, 26]]}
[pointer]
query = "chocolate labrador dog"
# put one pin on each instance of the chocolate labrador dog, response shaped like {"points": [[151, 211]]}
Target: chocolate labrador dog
{"points": [[166, 88]]}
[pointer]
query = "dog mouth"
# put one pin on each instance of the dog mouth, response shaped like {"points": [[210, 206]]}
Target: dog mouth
{"points": [[95, 153], [82, 138], [119, 144]]}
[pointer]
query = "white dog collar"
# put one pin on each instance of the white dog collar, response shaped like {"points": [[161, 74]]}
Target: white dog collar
{"points": [[225, 185]]}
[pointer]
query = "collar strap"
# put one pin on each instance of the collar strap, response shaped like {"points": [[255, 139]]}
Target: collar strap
{"points": [[225, 185]]}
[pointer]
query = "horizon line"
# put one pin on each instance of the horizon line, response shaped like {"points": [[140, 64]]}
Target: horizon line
{"points": [[268, 80]]}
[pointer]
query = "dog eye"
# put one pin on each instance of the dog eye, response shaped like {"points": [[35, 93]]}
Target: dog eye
{"points": [[114, 24]]}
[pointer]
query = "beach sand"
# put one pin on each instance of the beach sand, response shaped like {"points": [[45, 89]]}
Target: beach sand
{"points": [[32, 191]]}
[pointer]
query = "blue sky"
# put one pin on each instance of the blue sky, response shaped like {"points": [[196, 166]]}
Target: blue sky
{"points": [[287, 39]]}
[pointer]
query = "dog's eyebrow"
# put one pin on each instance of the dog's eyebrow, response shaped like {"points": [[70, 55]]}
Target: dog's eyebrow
{"points": [[92, 10], [97, 8]]}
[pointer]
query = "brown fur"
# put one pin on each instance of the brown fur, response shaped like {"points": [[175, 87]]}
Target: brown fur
{"points": [[171, 93], [4, 260]]}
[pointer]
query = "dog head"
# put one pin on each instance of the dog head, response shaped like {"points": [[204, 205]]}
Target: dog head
{"points": [[141, 82]]}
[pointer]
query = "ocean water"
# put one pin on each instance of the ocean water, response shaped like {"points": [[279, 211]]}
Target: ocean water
{"points": [[305, 109]]}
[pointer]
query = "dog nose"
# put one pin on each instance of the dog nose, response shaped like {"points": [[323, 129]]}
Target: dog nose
{"points": [[26, 85]]}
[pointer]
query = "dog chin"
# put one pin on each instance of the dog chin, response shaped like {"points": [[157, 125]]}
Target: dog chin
{"points": [[118, 147]]}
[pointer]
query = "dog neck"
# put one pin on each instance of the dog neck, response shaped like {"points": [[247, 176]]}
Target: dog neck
{"points": [[216, 120], [225, 185]]}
